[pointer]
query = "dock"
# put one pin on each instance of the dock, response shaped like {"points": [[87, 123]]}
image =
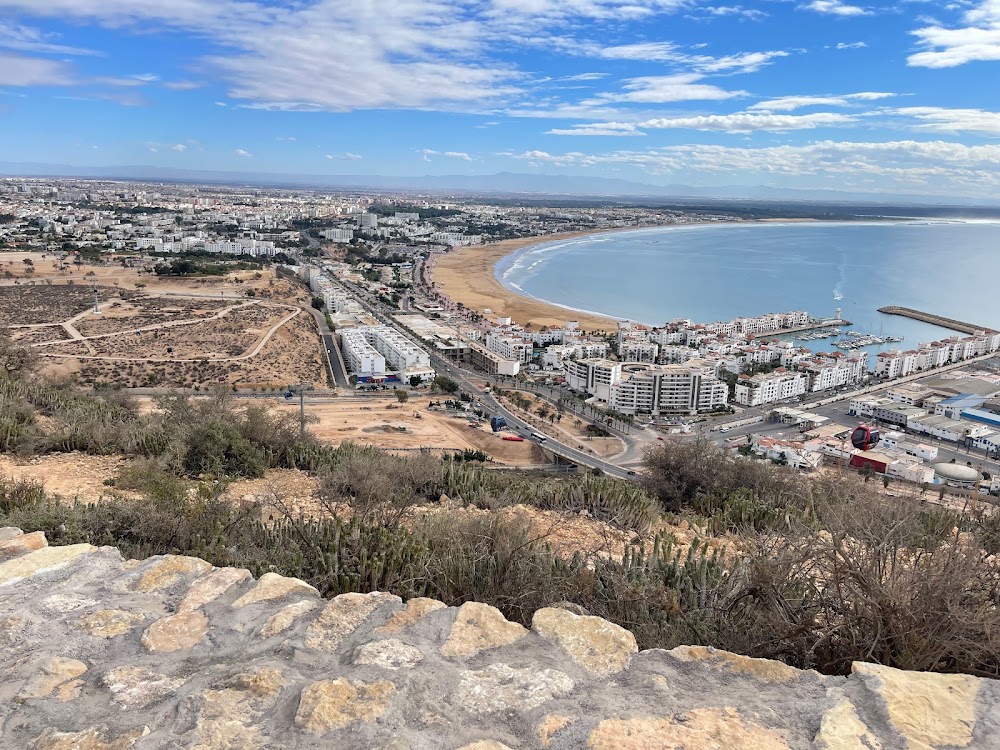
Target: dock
{"points": [[938, 320], [828, 323]]}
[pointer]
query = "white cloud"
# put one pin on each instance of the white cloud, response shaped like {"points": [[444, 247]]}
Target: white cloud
{"points": [[21, 70], [242, 153], [285, 138], [429, 152], [978, 40], [28, 39], [662, 89], [182, 85], [599, 129], [179, 147], [346, 156], [743, 62], [789, 103], [748, 122], [851, 45], [921, 166], [734, 10], [585, 77], [943, 120], [837, 8]]}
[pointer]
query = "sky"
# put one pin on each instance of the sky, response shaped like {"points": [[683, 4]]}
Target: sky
{"points": [[894, 98]]}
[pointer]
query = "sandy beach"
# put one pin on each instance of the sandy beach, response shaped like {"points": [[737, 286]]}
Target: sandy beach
{"points": [[466, 275]]}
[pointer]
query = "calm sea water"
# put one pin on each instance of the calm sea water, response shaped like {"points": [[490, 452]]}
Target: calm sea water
{"points": [[719, 272]]}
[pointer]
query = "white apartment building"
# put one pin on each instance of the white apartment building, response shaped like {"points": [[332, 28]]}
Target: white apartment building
{"points": [[834, 370], [361, 357], [631, 350], [241, 247], [367, 221], [455, 239], [554, 356], [510, 347], [675, 355], [895, 363], [407, 216], [401, 354], [768, 388], [667, 389], [593, 376], [548, 336], [338, 235]]}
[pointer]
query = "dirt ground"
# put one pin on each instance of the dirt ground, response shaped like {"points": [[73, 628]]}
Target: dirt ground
{"points": [[71, 475], [566, 430], [384, 423]]}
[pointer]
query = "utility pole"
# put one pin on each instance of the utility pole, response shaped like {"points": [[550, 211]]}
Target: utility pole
{"points": [[300, 390], [97, 307]]}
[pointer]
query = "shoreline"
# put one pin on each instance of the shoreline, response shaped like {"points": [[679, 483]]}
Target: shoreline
{"points": [[468, 276]]}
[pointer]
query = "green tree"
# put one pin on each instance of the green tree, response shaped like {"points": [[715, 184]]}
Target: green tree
{"points": [[446, 384], [401, 395]]}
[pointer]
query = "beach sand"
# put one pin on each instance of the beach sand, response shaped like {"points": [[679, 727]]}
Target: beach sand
{"points": [[466, 275]]}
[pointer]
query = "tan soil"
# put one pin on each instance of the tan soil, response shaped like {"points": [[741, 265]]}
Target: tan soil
{"points": [[71, 475]]}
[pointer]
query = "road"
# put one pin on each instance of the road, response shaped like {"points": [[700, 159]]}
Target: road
{"points": [[487, 402]]}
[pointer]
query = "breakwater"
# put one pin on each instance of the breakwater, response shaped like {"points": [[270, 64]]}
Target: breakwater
{"points": [[938, 320]]}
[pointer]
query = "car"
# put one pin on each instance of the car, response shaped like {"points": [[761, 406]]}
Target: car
{"points": [[631, 473]]}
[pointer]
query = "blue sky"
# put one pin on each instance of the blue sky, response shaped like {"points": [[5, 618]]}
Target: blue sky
{"points": [[895, 98]]}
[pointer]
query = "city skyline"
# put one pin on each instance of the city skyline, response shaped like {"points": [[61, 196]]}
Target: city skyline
{"points": [[818, 95]]}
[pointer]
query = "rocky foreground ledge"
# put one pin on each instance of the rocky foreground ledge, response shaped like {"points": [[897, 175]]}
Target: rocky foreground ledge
{"points": [[102, 653]]}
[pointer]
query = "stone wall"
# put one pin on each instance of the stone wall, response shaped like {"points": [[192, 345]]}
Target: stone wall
{"points": [[101, 653]]}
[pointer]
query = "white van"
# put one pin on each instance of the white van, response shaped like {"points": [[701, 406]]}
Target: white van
{"points": [[539, 437]]}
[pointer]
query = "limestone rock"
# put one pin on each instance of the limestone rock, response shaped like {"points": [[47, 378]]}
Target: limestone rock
{"points": [[388, 654], [44, 560], [9, 532], [486, 745], [842, 729], [110, 623], [95, 738], [176, 632], [272, 586], [335, 704], [550, 725], [211, 586], [479, 627], [501, 688], [168, 570], [928, 710], [342, 616], [67, 602], [57, 676], [136, 687], [22, 545], [700, 729], [415, 611], [229, 718], [767, 670], [282, 620], [597, 645]]}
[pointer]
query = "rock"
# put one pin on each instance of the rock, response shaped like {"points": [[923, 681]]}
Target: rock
{"points": [[57, 675], [175, 632], [110, 623], [335, 704], [842, 729], [67, 602], [550, 725], [9, 532], [229, 718], [341, 617], [388, 654], [502, 688], [211, 586], [136, 687], [416, 609], [597, 645], [22, 544], [284, 617], [272, 586], [700, 729], [928, 710], [479, 627], [44, 560], [486, 745], [767, 670], [168, 570], [95, 738]]}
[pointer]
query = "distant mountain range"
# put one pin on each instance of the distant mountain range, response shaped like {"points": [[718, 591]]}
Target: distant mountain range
{"points": [[502, 183]]}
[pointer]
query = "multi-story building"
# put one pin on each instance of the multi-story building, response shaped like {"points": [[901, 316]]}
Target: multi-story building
{"points": [[834, 370], [593, 376], [400, 353], [361, 357], [510, 347], [631, 350], [367, 221], [491, 361], [338, 235], [768, 388], [667, 389]]}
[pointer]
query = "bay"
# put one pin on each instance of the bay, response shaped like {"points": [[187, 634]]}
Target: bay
{"points": [[710, 272]]}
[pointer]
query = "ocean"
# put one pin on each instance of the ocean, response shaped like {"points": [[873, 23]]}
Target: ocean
{"points": [[712, 272]]}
